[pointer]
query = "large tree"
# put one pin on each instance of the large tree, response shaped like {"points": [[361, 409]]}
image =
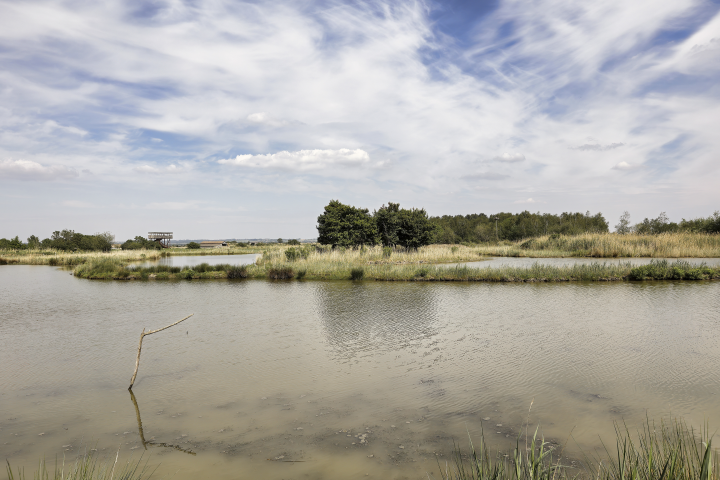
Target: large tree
{"points": [[400, 226], [346, 226]]}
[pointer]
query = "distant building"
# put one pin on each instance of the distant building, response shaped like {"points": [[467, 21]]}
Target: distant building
{"points": [[213, 244]]}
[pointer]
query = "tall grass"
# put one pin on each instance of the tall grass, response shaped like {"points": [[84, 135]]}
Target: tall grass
{"points": [[607, 245], [87, 467], [60, 258], [669, 451]]}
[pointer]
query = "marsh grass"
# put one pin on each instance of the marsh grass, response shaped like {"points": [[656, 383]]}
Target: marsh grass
{"points": [[611, 245], [668, 451], [70, 259], [86, 467]]}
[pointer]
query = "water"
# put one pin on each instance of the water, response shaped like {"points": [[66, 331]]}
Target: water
{"points": [[287, 370], [193, 260]]}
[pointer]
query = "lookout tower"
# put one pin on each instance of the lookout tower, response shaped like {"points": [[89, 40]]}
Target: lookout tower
{"points": [[163, 238]]}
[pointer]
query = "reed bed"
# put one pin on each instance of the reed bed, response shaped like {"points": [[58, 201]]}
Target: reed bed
{"points": [[610, 245], [311, 268], [669, 451], [60, 258]]}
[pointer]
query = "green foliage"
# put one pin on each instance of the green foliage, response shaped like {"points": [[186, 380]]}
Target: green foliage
{"points": [[658, 225], [140, 243], [623, 227], [346, 226], [33, 242], [679, 270], [407, 228], [69, 240], [513, 227], [710, 224], [235, 272], [387, 252], [292, 254], [193, 246], [280, 273], [293, 241], [279, 240], [357, 273]]}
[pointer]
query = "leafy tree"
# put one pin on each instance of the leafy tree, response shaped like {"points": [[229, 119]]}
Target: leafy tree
{"points": [[193, 245], [4, 244], [623, 226], [408, 228], [293, 241], [279, 240], [33, 242], [139, 243], [661, 224], [16, 244], [346, 226]]}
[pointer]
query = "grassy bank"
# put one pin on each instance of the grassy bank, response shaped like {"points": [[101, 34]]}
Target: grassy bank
{"points": [[311, 269], [666, 451], [611, 245], [86, 467]]}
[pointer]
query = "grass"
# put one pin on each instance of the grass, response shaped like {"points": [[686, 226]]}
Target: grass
{"points": [[86, 467], [669, 451], [610, 245], [316, 267]]}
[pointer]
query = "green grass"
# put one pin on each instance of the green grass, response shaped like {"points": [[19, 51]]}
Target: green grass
{"points": [[87, 467], [313, 269], [668, 451]]}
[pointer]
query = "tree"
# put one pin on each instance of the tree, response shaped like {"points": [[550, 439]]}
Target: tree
{"points": [[16, 244], [415, 229], [193, 245], [33, 242], [279, 240], [293, 241], [623, 227], [387, 220], [346, 226]]}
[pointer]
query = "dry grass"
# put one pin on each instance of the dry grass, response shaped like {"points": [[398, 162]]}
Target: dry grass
{"points": [[59, 258]]}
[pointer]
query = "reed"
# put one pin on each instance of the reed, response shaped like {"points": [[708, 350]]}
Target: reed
{"points": [[86, 467], [68, 259], [668, 451]]}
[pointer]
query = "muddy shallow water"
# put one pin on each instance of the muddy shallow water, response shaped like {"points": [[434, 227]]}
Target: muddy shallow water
{"points": [[308, 379]]}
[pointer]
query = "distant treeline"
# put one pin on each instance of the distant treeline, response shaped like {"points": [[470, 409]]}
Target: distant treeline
{"points": [[65, 240], [662, 224], [479, 227]]}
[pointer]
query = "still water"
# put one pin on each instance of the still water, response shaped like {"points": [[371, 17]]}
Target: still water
{"points": [[194, 260], [352, 380]]}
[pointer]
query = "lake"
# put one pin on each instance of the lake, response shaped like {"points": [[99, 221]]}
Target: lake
{"points": [[329, 380]]}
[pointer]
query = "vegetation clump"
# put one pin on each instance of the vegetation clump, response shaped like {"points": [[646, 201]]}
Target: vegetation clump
{"points": [[280, 273], [193, 246], [679, 270]]}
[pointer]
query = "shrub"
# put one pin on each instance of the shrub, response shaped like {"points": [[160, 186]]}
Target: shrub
{"points": [[357, 273], [292, 254], [387, 251], [237, 271], [187, 274], [281, 273], [293, 242], [301, 274], [193, 245]]}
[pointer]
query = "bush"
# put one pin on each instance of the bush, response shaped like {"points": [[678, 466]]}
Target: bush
{"points": [[237, 271], [187, 274], [281, 273], [292, 254], [357, 273], [193, 245], [293, 242], [387, 252]]}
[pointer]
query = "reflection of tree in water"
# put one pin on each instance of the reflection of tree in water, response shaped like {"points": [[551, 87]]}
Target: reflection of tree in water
{"points": [[369, 317], [142, 433]]}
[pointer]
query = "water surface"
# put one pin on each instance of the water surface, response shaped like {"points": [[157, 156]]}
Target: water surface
{"points": [[273, 371]]}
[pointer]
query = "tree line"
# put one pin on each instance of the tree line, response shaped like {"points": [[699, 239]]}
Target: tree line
{"points": [[662, 224], [65, 240]]}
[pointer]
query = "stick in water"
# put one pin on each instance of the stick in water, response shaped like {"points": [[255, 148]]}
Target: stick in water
{"points": [[144, 334]]}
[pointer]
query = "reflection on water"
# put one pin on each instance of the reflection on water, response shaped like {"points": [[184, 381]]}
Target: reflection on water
{"points": [[331, 379], [193, 260]]}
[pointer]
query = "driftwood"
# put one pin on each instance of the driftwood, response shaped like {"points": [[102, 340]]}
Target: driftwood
{"points": [[143, 335], [150, 442]]}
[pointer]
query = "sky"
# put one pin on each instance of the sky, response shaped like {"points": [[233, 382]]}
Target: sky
{"points": [[232, 119]]}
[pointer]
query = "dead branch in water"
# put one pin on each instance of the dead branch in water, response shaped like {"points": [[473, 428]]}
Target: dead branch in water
{"points": [[144, 334]]}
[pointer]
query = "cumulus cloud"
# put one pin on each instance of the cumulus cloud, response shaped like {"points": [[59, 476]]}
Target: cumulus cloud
{"points": [[597, 147], [303, 160], [510, 157], [29, 170], [170, 169]]}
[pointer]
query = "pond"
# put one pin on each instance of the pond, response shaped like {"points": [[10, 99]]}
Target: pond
{"points": [[341, 379], [193, 260]]}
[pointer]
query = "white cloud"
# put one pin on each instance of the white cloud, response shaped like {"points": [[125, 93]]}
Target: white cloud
{"points": [[29, 170], [304, 160], [262, 118], [170, 169], [510, 157], [529, 200], [624, 166]]}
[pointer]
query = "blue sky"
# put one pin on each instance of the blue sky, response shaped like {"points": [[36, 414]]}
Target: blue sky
{"points": [[222, 119]]}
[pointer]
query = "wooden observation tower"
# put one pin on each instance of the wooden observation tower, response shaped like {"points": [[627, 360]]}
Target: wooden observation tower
{"points": [[163, 238]]}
